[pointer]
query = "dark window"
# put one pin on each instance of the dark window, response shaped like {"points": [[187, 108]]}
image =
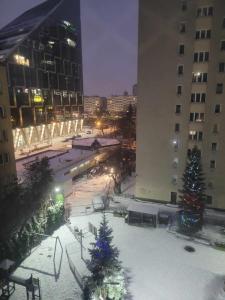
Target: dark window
{"points": [[179, 89], [221, 67], [195, 57], [197, 117], [180, 70], [212, 164], [203, 97], [22, 96], [2, 112], [184, 5], [182, 27], [53, 81], [205, 77], [6, 158], [197, 35], [198, 97], [1, 160], [206, 56], [215, 128], [214, 146], [208, 199], [201, 56], [4, 135], [178, 109], [222, 45], [199, 12], [177, 127], [223, 24], [208, 34], [219, 88], [210, 11], [217, 108], [173, 197], [181, 49], [204, 11], [1, 90], [200, 135]]}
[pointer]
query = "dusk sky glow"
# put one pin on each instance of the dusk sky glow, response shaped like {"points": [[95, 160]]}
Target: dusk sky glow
{"points": [[109, 37]]}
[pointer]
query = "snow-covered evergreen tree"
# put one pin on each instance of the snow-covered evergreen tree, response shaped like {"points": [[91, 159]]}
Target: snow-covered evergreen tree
{"points": [[192, 194], [107, 280], [104, 256]]}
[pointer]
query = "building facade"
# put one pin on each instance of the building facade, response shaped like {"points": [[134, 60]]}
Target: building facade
{"points": [[181, 81], [119, 104], [93, 104], [42, 53], [7, 160]]}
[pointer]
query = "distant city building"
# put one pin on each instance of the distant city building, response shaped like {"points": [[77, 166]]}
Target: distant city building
{"points": [[41, 50], [94, 104], [120, 104], [181, 85], [134, 90], [7, 160]]}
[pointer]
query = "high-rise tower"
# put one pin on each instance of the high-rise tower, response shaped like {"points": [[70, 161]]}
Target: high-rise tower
{"points": [[181, 86]]}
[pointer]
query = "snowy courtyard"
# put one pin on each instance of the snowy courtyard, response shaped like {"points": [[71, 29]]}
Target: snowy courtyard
{"points": [[154, 260]]}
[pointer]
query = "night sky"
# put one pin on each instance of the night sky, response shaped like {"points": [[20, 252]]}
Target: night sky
{"points": [[109, 37]]}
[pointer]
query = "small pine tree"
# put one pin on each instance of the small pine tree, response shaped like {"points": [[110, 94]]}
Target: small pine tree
{"points": [[192, 194], [104, 256]]}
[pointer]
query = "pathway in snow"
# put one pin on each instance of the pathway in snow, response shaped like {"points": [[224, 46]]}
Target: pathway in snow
{"points": [[84, 191]]}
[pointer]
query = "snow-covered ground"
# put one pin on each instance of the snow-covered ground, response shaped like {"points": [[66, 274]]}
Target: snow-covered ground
{"points": [[56, 279], [155, 261]]}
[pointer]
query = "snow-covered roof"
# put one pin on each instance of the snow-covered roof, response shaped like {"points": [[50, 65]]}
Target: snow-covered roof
{"points": [[88, 142], [144, 208]]}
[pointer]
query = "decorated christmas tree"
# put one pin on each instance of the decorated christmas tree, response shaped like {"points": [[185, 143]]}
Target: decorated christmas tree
{"points": [[192, 194], [104, 265]]}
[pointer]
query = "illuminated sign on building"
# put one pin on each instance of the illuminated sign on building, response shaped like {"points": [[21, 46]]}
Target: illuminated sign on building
{"points": [[21, 60], [38, 99]]}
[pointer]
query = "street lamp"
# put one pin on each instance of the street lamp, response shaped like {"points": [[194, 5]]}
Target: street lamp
{"points": [[57, 189]]}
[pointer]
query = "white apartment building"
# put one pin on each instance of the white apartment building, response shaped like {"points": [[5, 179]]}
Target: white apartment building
{"points": [[92, 104], [119, 104], [181, 96]]}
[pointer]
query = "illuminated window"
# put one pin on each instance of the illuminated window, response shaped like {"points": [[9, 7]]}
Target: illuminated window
{"points": [[21, 60], [71, 43]]}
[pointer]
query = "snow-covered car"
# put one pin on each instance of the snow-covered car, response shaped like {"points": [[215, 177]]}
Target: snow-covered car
{"points": [[97, 204]]}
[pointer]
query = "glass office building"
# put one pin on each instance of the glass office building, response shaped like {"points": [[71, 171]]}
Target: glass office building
{"points": [[41, 50]]}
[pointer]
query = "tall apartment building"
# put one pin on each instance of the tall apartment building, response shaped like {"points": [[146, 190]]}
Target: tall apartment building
{"points": [[181, 86], [93, 104], [119, 104], [41, 50], [7, 160]]}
